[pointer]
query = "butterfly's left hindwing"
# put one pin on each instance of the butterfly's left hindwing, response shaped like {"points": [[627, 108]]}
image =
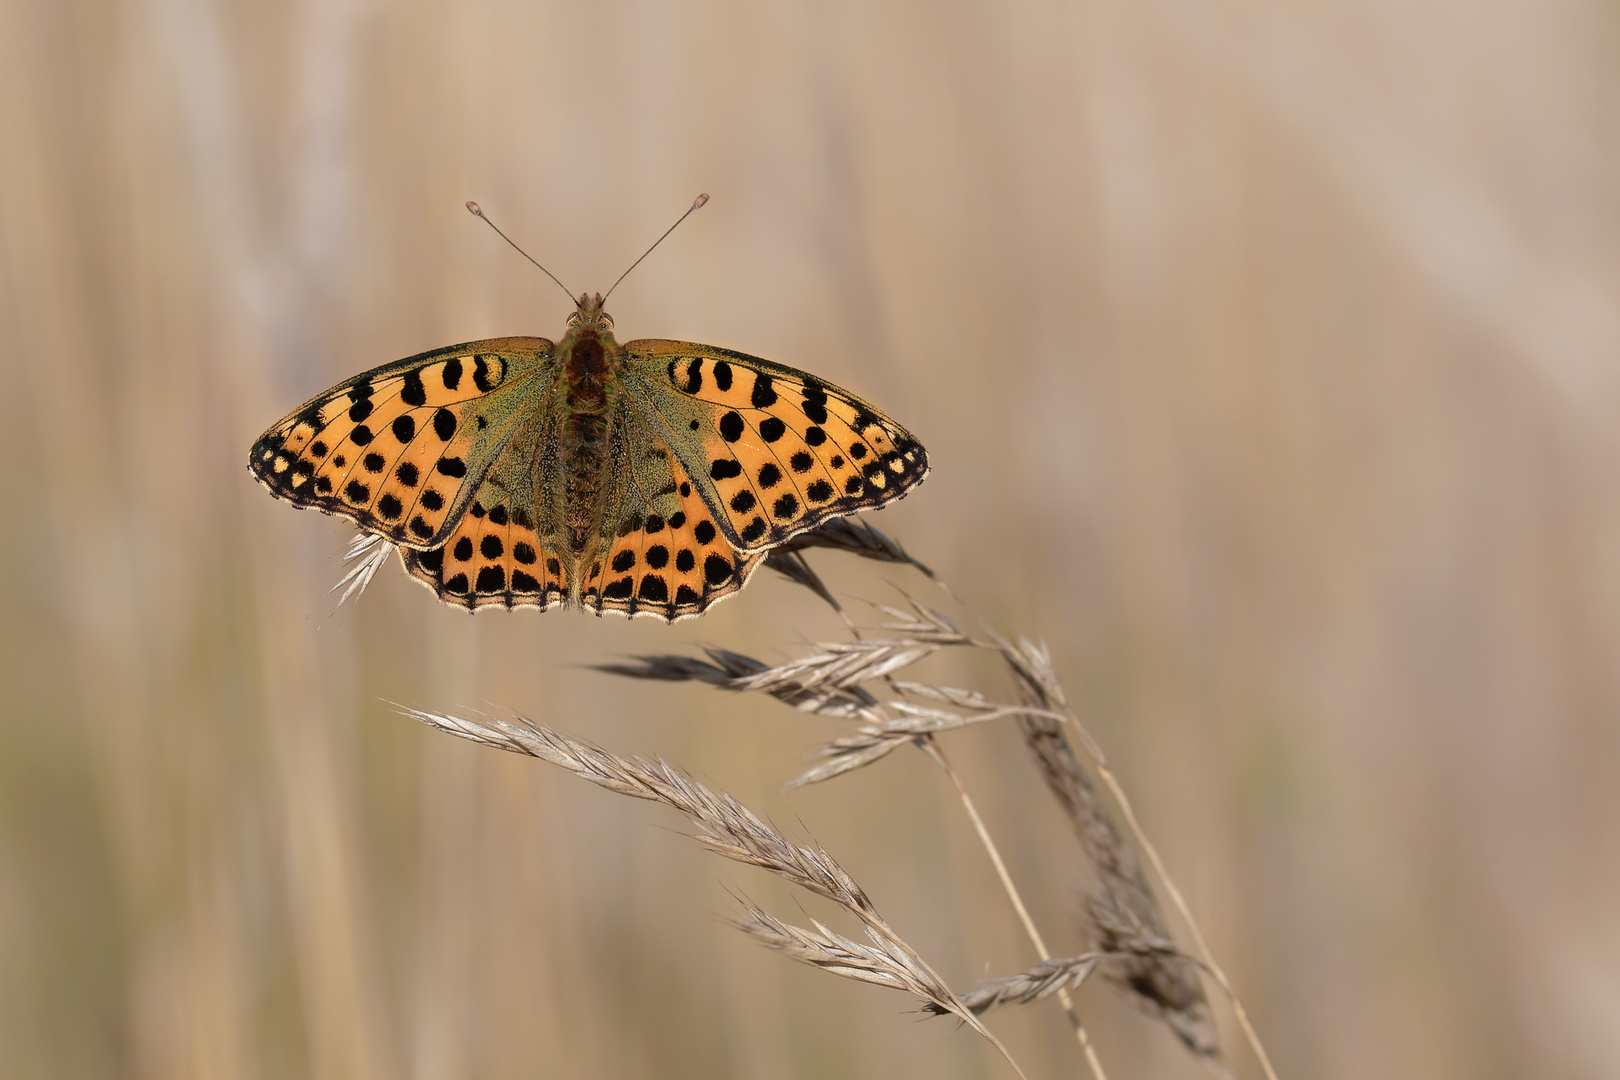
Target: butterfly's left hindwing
{"points": [[775, 451], [493, 558], [399, 449]]}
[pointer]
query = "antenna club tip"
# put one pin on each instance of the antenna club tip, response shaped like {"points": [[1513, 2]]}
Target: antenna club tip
{"points": [[474, 209], [700, 200]]}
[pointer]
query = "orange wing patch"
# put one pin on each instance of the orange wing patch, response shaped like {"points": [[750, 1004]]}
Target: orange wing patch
{"points": [[386, 450], [671, 568], [787, 452], [493, 558]]}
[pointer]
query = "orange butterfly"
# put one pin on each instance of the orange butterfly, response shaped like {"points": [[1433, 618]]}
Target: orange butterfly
{"points": [[648, 478]]}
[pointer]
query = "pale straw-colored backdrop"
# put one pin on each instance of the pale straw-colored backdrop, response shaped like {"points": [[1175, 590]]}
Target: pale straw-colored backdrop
{"points": [[1268, 357]]}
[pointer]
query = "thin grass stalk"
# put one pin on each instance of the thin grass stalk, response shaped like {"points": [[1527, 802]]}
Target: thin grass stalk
{"points": [[931, 746]]}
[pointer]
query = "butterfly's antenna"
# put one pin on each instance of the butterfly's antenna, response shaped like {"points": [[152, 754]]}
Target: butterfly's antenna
{"points": [[697, 202], [478, 212]]}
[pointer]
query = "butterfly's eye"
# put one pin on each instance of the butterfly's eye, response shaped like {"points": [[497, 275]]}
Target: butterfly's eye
{"points": [[606, 320]]}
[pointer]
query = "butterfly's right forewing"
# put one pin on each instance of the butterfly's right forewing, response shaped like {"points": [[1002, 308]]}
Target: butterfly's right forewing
{"points": [[399, 449]]}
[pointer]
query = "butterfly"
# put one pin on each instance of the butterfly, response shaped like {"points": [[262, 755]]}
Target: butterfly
{"points": [[648, 478]]}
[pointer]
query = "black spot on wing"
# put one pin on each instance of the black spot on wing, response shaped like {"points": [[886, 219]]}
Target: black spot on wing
{"points": [[444, 424], [488, 371], [764, 395]]}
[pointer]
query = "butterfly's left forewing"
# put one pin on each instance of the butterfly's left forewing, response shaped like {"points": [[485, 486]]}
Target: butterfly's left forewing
{"points": [[774, 451], [399, 449]]}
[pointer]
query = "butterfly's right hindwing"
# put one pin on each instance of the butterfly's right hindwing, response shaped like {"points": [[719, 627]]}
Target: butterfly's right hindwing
{"points": [[399, 449]]}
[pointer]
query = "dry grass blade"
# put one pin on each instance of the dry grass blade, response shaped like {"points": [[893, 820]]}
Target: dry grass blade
{"points": [[721, 669], [857, 538], [923, 623], [840, 665], [734, 671], [725, 826], [903, 723], [1043, 980], [792, 565], [879, 963], [368, 551], [967, 699]]}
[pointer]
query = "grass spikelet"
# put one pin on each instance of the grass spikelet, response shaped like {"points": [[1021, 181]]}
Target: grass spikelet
{"points": [[729, 829]]}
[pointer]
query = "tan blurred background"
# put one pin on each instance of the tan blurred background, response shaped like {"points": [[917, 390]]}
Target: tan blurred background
{"points": [[1268, 356]]}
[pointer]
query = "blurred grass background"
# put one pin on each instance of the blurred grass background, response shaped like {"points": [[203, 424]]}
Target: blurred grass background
{"points": [[1268, 356]]}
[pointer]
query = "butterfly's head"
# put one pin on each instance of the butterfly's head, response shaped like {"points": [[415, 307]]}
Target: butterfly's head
{"points": [[589, 314]]}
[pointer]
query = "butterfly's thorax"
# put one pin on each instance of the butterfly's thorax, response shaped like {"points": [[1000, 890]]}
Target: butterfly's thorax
{"points": [[589, 358]]}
